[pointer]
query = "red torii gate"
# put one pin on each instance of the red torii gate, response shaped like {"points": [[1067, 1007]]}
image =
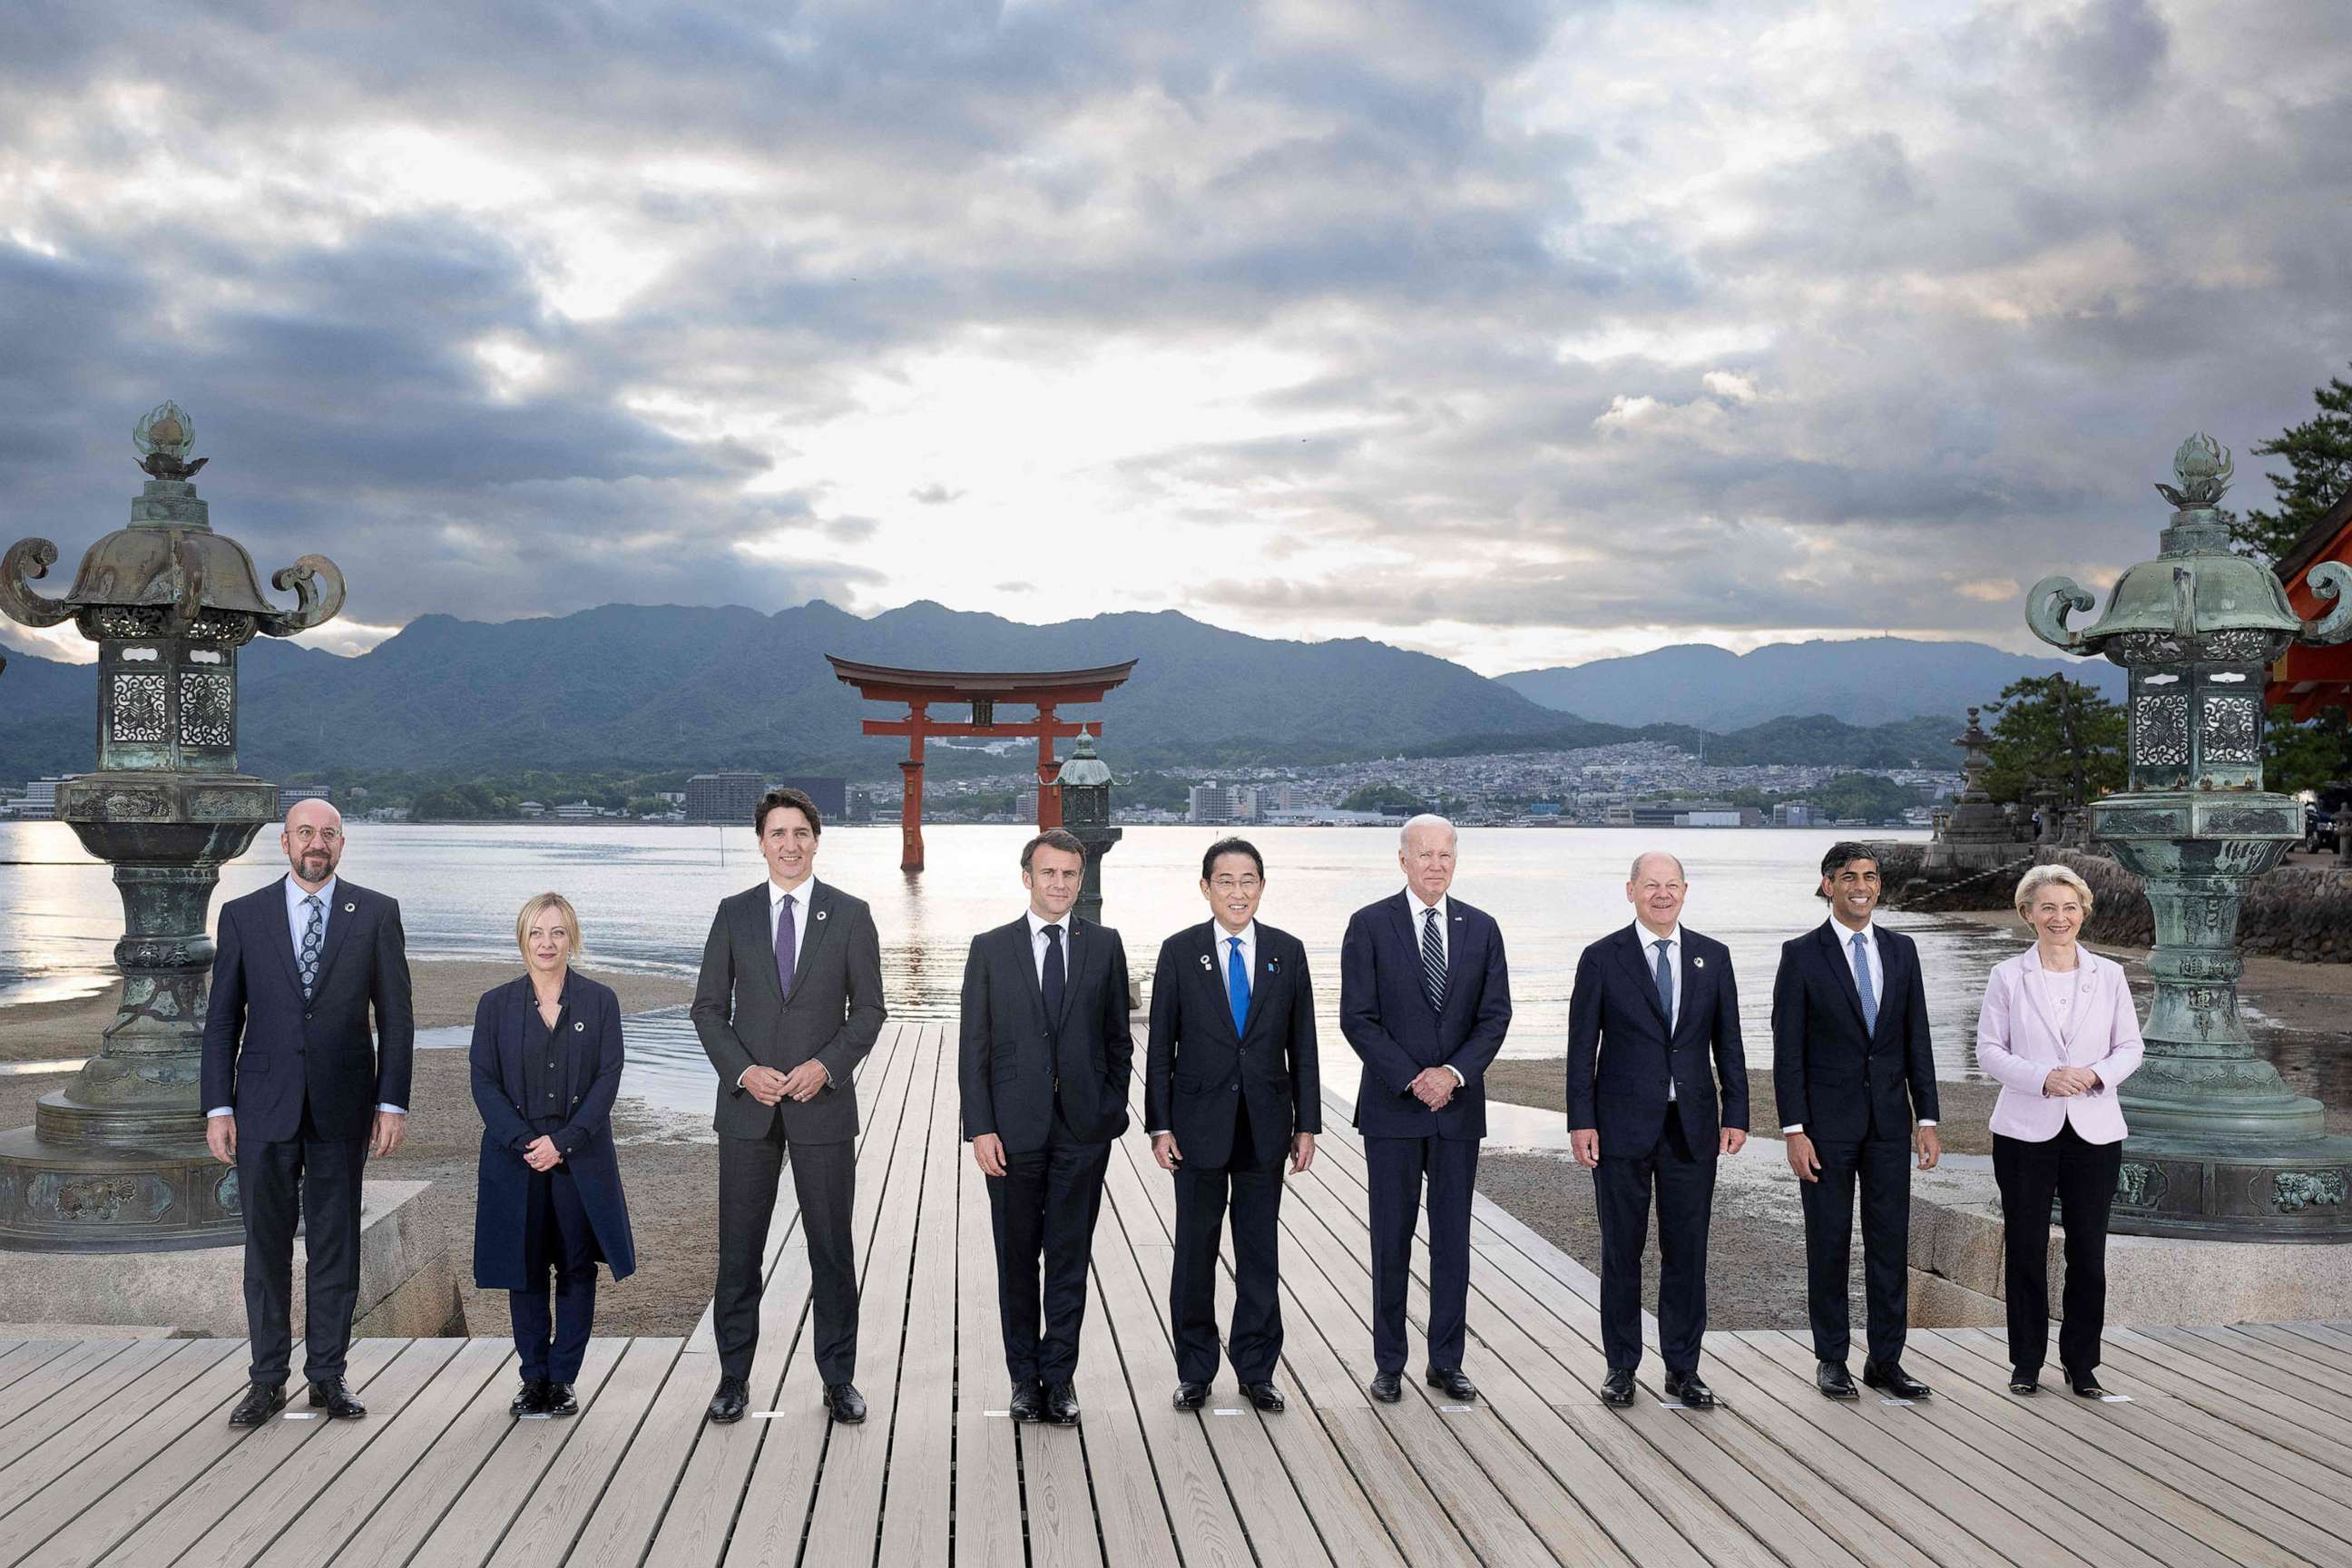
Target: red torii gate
{"points": [[918, 688]]}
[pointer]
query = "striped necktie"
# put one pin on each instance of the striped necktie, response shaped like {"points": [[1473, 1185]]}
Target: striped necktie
{"points": [[1433, 961]]}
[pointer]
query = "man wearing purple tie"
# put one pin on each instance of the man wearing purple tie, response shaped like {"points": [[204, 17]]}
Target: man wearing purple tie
{"points": [[789, 1001]]}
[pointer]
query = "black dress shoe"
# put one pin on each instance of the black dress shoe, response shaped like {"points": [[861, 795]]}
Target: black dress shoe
{"points": [[1062, 1404], [530, 1399], [2086, 1385], [560, 1400], [845, 1403], [1891, 1379], [1191, 1396], [1264, 1394], [1451, 1380], [1833, 1379], [2023, 1381], [1029, 1401], [1386, 1386], [734, 1397], [259, 1403], [1687, 1387], [1617, 1388], [334, 1397]]}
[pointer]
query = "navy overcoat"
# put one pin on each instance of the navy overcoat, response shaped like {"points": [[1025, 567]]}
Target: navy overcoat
{"points": [[501, 1025]]}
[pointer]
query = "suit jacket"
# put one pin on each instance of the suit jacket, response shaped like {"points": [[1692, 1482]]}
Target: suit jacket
{"points": [[832, 1016], [1012, 1059], [1844, 1080], [2019, 1039], [1619, 1058], [1387, 1019], [267, 1053], [591, 1059], [1197, 1066]]}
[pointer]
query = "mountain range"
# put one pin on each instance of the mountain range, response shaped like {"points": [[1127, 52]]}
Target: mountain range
{"points": [[631, 687], [1863, 681]]}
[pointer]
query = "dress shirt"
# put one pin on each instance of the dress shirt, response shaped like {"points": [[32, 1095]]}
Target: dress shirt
{"points": [[297, 920], [1845, 935], [1248, 934], [1414, 902], [801, 897], [1037, 924], [1674, 939]]}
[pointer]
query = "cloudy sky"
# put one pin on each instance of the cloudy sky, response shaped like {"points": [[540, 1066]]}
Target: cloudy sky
{"points": [[1523, 333]]}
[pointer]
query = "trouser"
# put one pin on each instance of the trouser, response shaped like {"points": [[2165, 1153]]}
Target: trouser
{"points": [[281, 1186], [1880, 1167], [1395, 1168], [558, 1238], [1254, 1192], [2082, 1177], [1042, 1209], [825, 1181], [1683, 1180]]}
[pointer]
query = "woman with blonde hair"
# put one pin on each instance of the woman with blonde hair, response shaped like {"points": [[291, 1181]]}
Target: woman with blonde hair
{"points": [[2059, 1033], [547, 1064]]}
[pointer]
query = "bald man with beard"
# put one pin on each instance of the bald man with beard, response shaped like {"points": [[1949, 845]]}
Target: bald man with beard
{"points": [[300, 1091]]}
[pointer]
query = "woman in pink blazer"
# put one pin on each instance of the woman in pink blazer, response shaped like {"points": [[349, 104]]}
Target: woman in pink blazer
{"points": [[2059, 1033]]}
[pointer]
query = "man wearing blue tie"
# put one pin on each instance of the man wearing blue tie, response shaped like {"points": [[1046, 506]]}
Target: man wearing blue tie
{"points": [[1851, 1065], [1657, 1087], [1231, 1089], [1425, 1000]]}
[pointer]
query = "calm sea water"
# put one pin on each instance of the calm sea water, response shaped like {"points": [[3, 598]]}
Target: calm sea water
{"points": [[645, 895]]}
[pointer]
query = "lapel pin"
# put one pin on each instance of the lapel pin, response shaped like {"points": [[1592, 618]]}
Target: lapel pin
{"points": [[350, 909], [820, 914], [1204, 962], [1697, 962], [1273, 966]]}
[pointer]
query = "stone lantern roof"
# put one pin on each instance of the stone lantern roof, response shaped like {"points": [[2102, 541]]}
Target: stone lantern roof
{"points": [[1084, 768]]}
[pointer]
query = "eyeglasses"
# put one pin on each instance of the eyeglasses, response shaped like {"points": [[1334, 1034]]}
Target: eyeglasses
{"points": [[1236, 884]]}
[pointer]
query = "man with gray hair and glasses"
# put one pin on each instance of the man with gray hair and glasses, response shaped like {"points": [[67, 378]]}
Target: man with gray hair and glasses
{"points": [[1425, 1000]]}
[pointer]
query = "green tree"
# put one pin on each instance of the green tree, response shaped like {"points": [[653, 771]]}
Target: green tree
{"points": [[2050, 732], [2309, 755], [2318, 453], [1382, 798]]}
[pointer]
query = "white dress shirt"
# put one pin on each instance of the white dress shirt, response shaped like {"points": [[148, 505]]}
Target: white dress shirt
{"points": [[298, 920], [1412, 901], [1224, 962], [1873, 962], [1037, 924], [801, 897], [1674, 941]]}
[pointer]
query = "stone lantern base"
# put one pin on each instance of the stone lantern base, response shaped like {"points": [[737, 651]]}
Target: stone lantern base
{"points": [[92, 1198]]}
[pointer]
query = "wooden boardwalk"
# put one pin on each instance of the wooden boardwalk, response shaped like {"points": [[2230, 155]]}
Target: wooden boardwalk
{"points": [[116, 1451]]}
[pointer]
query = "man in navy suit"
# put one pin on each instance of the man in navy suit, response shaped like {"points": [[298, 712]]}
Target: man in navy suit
{"points": [[1657, 1086], [1850, 1064], [1230, 1088], [1425, 1000], [1043, 1064], [299, 1094]]}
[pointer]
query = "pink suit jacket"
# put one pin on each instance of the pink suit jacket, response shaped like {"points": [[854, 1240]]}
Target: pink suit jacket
{"points": [[2019, 1041]]}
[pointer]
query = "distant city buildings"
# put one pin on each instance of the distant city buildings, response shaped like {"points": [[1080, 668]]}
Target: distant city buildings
{"points": [[730, 797], [1216, 805], [37, 804], [291, 795]]}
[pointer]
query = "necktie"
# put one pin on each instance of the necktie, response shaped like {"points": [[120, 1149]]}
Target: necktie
{"points": [[1053, 977], [1861, 983], [313, 930], [1236, 984], [787, 940], [1665, 977], [1433, 961]]}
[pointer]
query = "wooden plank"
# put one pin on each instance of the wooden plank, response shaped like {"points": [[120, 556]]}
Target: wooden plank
{"points": [[918, 1518], [190, 1483], [702, 1511], [782, 1487], [406, 1440], [2292, 1368], [87, 1397], [621, 1528], [543, 1529], [26, 1356], [1135, 1530], [485, 1460], [2301, 1349], [989, 1531], [24, 1477], [46, 1383], [282, 1496], [2191, 1495], [2277, 1418]]}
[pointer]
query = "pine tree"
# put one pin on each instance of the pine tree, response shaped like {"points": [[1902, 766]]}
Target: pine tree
{"points": [[2050, 732], [2318, 453]]}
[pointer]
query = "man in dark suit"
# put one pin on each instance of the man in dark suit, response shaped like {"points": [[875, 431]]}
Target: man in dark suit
{"points": [[1425, 1000], [789, 1001], [1850, 1064], [298, 1095], [1231, 1089], [1043, 1066], [1657, 1086]]}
